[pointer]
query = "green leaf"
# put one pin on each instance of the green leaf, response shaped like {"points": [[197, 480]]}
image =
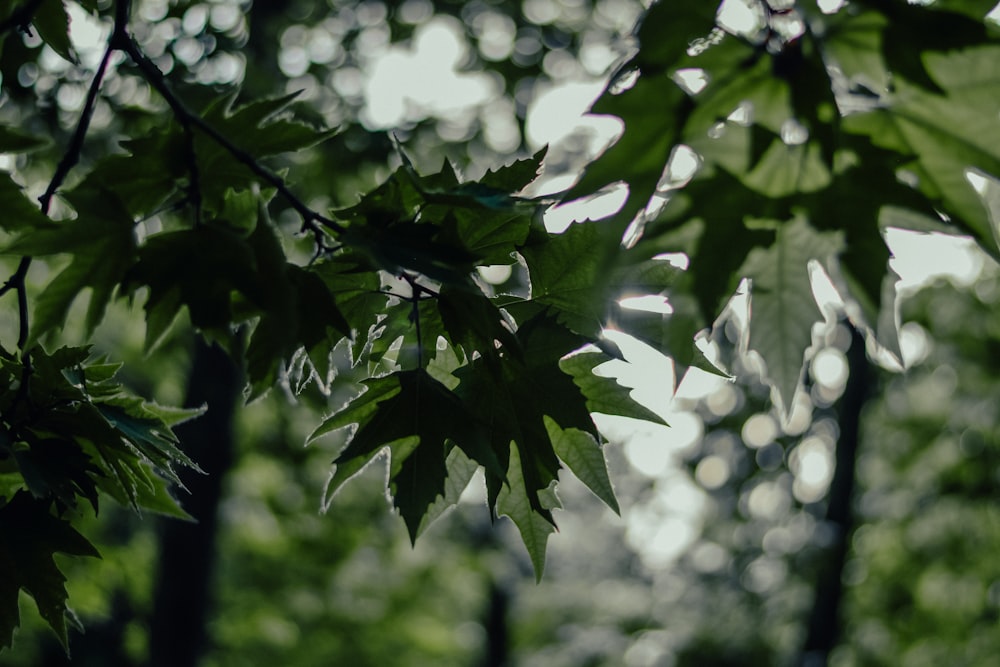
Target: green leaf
{"points": [[156, 497], [264, 127], [153, 172], [52, 23], [82, 430], [517, 175], [20, 213], [56, 468], [511, 396], [297, 311], [724, 239], [15, 141], [518, 501], [603, 394], [668, 30], [142, 428], [568, 273], [934, 31], [639, 156], [583, 454], [858, 203], [102, 246], [490, 236], [419, 420], [31, 535], [357, 292], [200, 268], [946, 135], [460, 472], [474, 322], [362, 408], [854, 44], [782, 307]]}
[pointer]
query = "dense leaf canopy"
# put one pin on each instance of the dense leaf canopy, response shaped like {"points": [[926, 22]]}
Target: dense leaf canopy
{"points": [[763, 149]]}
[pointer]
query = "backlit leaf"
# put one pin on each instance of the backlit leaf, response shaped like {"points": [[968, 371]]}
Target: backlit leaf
{"points": [[782, 307]]}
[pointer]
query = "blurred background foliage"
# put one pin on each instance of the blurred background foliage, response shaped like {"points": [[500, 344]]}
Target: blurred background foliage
{"points": [[716, 557]]}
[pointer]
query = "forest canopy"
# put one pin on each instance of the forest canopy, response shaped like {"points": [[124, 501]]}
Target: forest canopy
{"points": [[212, 170]]}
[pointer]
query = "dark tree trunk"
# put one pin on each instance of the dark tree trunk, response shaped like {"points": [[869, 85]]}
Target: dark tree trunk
{"points": [[497, 639], [187, 550], [824, 621]]}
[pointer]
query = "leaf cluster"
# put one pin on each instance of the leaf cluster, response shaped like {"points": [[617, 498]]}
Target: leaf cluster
{"points": [[821, 129], [812, 132], [480, 375], [68, 432]]}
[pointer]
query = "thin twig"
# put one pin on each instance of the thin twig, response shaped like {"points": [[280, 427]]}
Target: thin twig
{"points": [[22, 301], [72, 154]]}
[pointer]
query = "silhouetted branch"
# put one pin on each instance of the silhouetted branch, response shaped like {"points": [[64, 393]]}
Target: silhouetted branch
{"points": [[72, 154]]}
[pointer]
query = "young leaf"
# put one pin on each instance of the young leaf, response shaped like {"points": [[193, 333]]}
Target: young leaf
{"points": [[783, 308]]}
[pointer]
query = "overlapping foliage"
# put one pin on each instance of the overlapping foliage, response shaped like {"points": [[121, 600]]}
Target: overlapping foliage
{"points": [[814, 130]]}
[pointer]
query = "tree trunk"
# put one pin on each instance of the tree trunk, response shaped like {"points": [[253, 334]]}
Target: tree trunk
{"points": [[824, 621], [182, 596]]}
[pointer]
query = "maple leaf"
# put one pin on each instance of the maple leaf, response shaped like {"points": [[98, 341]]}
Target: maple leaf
{"points": [[31, 536], [782, 306], [102, 247], [419, 420]]}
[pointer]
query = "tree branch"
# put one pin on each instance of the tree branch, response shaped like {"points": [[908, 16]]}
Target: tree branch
{"points": [[72, 154]]}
